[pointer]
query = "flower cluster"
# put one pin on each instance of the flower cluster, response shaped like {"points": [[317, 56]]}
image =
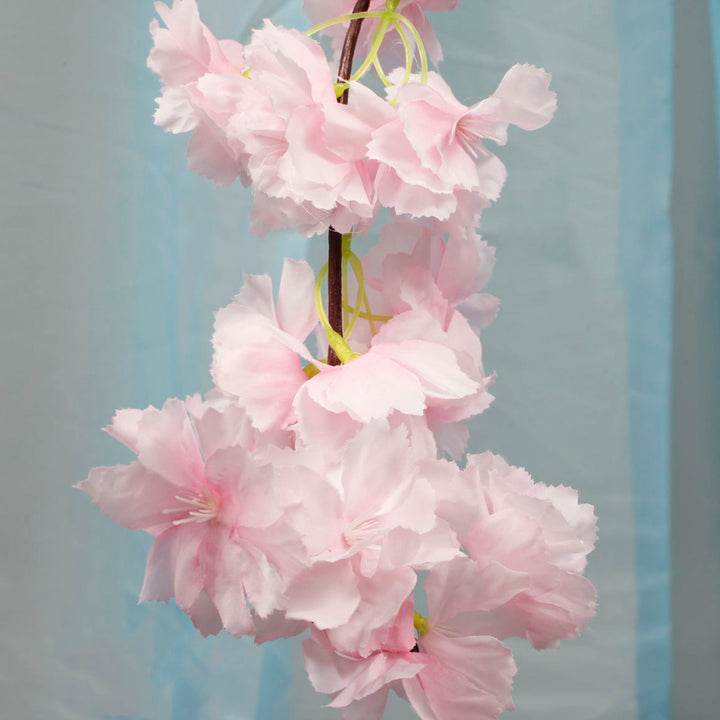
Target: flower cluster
{"points": [[304, 495], [267, 113]]}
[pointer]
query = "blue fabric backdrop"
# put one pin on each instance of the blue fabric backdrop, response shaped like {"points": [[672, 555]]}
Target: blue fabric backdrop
{"points": [[645, 33], [115, 258], [715, 31]]}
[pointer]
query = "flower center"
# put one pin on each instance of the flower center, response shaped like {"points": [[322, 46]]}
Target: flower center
{"points": [[198, 507], [362, 531], [468, 131]]}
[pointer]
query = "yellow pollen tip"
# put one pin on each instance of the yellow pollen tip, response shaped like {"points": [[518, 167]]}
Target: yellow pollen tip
{"points": [[310, 370], [421, 625]]}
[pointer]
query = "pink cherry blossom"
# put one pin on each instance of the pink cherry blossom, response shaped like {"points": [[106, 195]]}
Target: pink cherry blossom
{"points": [[306, 151], [185, 49], [414, 267], [432, 163], [210, 504], [412, 366], [259, 345], [447, 673], [502, 516], [414, 271], [360, 684], [367, 519], [302, 496], [468, 676], [202, 77]]}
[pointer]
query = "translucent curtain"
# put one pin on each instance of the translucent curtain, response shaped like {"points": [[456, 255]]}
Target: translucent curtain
{"points": [[715, 35], [645, 33], [696, 383], [115, 257]]}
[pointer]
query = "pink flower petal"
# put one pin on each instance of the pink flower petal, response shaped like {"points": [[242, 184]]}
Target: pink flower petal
{"points": [[167, 445], [131, 496], [173, 567], [296, 312], [326, 595]]}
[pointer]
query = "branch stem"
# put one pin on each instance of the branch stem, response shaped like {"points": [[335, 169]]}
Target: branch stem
{"points": [[335, 284]]}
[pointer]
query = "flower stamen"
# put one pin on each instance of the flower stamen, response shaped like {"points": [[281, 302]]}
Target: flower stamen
{"points": [[361, 531], [200, 507]]}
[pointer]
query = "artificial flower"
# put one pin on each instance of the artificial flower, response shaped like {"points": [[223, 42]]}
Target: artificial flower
{"points": [[467, 675], [306, 151], [201, 76], [211, 505], [360, 684], [259, 344], [414, 267], [368, 521], [432, 163], [502, 516], [410, 367]]}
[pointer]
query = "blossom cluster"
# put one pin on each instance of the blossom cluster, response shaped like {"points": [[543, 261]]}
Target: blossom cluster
{"points": [[300, 496], [267, 113]]}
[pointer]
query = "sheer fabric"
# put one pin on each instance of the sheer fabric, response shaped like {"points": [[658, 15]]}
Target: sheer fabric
{"points": [[115, 257]]}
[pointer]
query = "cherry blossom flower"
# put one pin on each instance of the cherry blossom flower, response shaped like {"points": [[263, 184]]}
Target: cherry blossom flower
{"points": [[449, 672], [368, 521], [501, 515], [414, 267], [259, 345], [410, 367], [360, 684], [211, 505], [432, 163], [202, 77], [417, 369], [306, 151], [467, 675]]}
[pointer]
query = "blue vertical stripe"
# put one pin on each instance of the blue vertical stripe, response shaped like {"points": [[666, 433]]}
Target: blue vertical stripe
{"points": [[715, 31], [645, 38]]}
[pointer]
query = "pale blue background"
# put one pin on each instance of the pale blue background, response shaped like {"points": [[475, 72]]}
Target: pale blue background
{"points": [[114, 258]]}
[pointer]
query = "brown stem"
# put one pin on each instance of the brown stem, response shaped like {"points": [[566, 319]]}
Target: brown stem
{"points": [[348, 51], [335, 289]]}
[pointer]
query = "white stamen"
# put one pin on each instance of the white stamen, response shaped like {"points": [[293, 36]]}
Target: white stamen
{"points": [[199, 507], [361, 531], [468, 136]]}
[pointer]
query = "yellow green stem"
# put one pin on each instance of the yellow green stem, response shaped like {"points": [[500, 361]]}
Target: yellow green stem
{"points": [[418, 42], [346, 314], [387, 17], [377, 40], [360, 278], [408, 50], [351, 313], [381, 73], [335, 340], [368, 315]]}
